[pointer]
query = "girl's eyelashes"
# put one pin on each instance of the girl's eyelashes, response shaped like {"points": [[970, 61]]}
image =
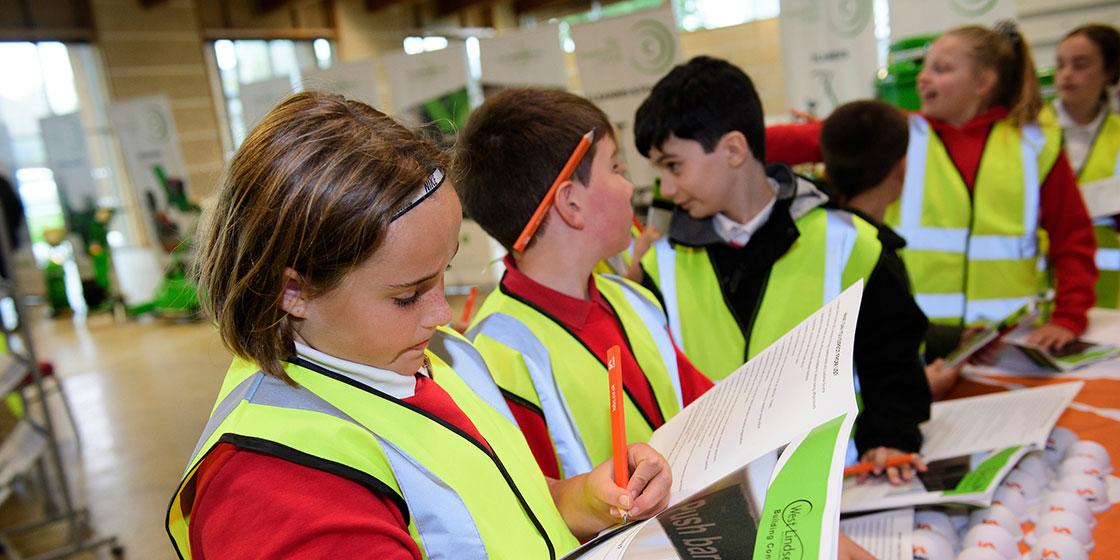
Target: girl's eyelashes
{"points": [[406, 300]]}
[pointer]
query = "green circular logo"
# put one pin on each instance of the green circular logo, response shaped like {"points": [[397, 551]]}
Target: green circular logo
{"points": [[656, 48], [973, 7], [849, 18], [154, 125]]}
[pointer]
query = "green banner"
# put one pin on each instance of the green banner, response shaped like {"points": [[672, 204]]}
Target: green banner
{"points": [[790, 528]]}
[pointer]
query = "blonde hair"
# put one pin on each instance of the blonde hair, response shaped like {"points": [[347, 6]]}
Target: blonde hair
{"points": [[313, 188], [1006, 52]]}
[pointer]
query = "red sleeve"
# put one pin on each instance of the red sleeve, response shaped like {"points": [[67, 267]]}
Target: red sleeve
{"points": [[794, 144], [1072, 246], [535, 431], [693, 382], [253, 505]]}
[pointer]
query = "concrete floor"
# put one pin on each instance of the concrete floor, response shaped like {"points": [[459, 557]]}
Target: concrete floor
{"points": [[141, 391]]}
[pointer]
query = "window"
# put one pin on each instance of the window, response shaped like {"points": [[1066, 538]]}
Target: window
{"points": [[51, 79], [241, 62]]}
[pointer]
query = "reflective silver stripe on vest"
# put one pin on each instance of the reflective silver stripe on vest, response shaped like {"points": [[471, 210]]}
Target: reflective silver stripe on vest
{"points": [[446, 527], [567, 442], [840, 239], [471, 368], [938, 306], [654, 320], [956, 240], [667, 283], [1108, 259]]}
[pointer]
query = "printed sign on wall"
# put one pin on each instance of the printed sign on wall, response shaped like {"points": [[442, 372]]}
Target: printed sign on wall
{"points": [[917, 17], [619, 61], [531, 57], [828, 52], [65, 141], [354, 80], [431, 88]]}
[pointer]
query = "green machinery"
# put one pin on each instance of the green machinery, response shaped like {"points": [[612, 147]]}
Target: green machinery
{"points": [[176, 296]]}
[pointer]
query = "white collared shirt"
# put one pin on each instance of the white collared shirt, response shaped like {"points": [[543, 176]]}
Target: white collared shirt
{"points": [[1078, 138], [389, 382], [737, 234]]}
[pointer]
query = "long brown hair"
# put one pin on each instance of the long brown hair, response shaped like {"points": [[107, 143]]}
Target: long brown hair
{"points": [[1005, 51], [312, 188]]}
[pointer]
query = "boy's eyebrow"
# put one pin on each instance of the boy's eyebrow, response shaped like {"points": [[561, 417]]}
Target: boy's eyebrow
{"points": [[662, 157], [424, 279]]}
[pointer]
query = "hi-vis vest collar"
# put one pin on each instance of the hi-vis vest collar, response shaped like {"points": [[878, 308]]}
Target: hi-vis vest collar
{"points": [[550, 370], [973, 256], [459, 499], [797, 194], [832, 251]]}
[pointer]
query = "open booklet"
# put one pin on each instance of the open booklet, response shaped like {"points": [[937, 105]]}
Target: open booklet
{"points": [[970, 446], [1075, 354], [1025, 315], [886, 535], [758, 460]]}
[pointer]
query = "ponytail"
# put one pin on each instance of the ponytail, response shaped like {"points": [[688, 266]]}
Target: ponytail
{"points": [[1005, 51]]}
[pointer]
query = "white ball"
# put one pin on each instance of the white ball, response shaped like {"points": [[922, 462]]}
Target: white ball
{"points": [[929, 545], [1056, 444], [1080, 464], [1058, 545], [993, 537], [1035, 463], [1066, 523], [1061, 500], [938, 522], [1026, 484], [1013, 500], [998, 515], [1091, 489], [1091, 450], [977, 553]]}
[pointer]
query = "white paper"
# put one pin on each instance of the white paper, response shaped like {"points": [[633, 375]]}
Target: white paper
{"points": [[1102, 197], [801, 381], [728, 440], [995, 421], [1104, 324], [886, 535]]}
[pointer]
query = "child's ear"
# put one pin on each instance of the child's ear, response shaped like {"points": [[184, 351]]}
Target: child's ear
{"points": [[738, 151], [293, 300], [570, 202]]}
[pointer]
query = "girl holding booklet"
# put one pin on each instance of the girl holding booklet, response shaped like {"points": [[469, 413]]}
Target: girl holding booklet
{"points": [[351, 423]]}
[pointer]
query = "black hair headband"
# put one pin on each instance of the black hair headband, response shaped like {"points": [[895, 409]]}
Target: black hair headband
{"points": [[430, 185]]}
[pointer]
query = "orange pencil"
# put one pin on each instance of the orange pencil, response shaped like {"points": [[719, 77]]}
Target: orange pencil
{"points": [[618, 419], [542, 208], [469, 305], [637, 224], [863, 468]]}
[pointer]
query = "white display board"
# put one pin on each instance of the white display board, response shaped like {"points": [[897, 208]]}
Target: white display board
{"points": [[145, 129], [65, 141], [258, 98], [828, 52], [531, 57], [619, 61], [916, 17], [415, 79], [353, 80]]}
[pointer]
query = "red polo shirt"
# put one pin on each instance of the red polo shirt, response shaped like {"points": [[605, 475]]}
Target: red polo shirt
{"points": [[253, 505], [594, 323]]}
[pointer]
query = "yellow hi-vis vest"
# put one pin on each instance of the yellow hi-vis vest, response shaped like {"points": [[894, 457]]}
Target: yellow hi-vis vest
{"points": [[459, 500], [833, 251], [1103, 163], [973, 256], [539, 362]]}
